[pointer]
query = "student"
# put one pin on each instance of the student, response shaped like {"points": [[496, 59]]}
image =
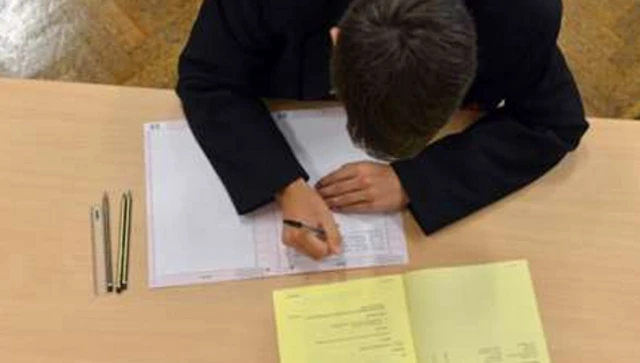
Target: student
{"points": [[401, 69]]}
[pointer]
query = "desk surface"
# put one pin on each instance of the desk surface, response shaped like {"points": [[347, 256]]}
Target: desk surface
{"points": [[62, 144]]}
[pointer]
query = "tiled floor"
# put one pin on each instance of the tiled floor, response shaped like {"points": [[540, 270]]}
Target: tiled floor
{"points": [[136, 42], [601, 39], [133, 42]]}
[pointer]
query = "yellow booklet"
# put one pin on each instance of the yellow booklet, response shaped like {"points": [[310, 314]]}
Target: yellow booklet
{"points": [[484, 313]]}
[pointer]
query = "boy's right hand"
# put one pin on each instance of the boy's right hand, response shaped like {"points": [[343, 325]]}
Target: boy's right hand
{"points": [[298, 201]]}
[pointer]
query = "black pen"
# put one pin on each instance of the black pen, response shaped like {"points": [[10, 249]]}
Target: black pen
{"points": [[321, 233]]}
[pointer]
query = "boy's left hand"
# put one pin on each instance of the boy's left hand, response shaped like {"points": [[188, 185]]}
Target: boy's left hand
{"points": [[363, 187]]}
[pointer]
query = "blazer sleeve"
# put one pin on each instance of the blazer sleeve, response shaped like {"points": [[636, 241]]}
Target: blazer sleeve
{"points": [[505, 150], [229, 49]]}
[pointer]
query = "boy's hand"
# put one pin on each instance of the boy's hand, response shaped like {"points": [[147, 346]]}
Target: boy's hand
{"points": [[300, 202], [363, 187]]}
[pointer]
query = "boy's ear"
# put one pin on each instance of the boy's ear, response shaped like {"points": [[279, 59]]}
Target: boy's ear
{"points": [[335, 33]]}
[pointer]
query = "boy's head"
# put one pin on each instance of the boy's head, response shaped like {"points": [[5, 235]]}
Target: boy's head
{"points": [[402, 68]]}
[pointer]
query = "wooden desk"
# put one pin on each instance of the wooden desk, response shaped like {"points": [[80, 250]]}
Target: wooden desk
{"points": [[61, 145]]}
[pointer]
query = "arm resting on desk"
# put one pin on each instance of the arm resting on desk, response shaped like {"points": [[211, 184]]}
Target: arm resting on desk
{"points": [[228, 49], [505, 150]]}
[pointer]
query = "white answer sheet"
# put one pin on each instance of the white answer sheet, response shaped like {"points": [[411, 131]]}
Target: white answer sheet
{"points": [[196, 236]]}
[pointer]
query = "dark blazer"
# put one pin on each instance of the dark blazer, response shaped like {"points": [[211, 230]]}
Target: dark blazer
{"points": [[243, 50]]}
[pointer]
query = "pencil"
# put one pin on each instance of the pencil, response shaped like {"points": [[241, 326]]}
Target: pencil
{"points": [[107, 241], [121, 243], [127, 241]]}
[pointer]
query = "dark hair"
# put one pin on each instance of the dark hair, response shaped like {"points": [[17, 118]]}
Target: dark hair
{"points": [[402, 68]]}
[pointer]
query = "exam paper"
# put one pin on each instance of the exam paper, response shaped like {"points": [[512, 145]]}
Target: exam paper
{"points": [[484, 313], [357, 321], [196, 236]]}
